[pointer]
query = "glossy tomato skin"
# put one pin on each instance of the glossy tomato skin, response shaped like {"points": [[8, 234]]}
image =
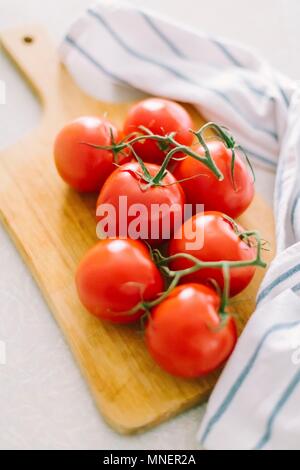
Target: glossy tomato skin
{"points": [[161, 117], [82, 167], [223, 196], [220, 243], [184, 334], [114, 277], [126, 183]]}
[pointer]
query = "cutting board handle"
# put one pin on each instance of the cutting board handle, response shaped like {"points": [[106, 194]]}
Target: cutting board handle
{"points": [[36, 56]]}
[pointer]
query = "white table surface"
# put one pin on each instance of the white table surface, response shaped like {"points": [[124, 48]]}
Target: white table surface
{"points": [[44, 401]]}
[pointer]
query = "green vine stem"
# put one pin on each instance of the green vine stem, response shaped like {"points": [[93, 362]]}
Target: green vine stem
{"points": [[162, 261], [229, 142], [167, 142], [175, 276]]}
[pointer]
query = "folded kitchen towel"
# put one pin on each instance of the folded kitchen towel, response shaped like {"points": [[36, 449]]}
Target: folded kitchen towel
{"points": [[255, 404]]}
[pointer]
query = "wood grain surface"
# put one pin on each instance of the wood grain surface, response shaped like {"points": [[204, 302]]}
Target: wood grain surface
{"points": [[53, 226]]}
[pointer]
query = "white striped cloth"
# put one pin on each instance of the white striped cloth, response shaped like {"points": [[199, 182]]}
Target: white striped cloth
{"points": [[255, 404]]}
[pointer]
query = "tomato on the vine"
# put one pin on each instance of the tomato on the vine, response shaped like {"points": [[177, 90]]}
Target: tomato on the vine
{"points": [[232, 195], [82, 166], [211, 236], [185, 333], [140, 216], [114, 277], [161, 117]]}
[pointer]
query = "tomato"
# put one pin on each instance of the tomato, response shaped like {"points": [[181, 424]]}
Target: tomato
{"points": [[114, 277], [136, 205], [226, 196], [220, 243], [160, 117], [184, 334], [82, 167]]}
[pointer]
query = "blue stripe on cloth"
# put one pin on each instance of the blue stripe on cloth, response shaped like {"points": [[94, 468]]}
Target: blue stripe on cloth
{"points": [[227, 53], [283, 277], [237, 63], [135, 53], [175, 72], [293, 210], [296, 288], [91, 59], [225, 97], [284, 95], [288, 392], [242, 377], [263, 159], [173, 47], [162, 35], [257, 91]]}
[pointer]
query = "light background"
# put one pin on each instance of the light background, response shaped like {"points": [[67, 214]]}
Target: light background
{"points": [[44, 402]]}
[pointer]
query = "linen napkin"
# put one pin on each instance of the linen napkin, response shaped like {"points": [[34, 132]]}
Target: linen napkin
{"points": [[255, 404]]}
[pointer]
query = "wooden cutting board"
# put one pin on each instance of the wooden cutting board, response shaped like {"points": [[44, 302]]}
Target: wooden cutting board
{"points": [[53, 227]]}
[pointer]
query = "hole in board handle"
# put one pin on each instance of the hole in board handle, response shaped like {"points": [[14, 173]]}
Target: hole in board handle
{"points": [[28, 39]]}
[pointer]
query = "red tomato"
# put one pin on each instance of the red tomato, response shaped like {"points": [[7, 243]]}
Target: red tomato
{"points": [[161, 117], [114, 277], [220, 243], [184, 334], [224, 196], [82, 167], [124, 189]]}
